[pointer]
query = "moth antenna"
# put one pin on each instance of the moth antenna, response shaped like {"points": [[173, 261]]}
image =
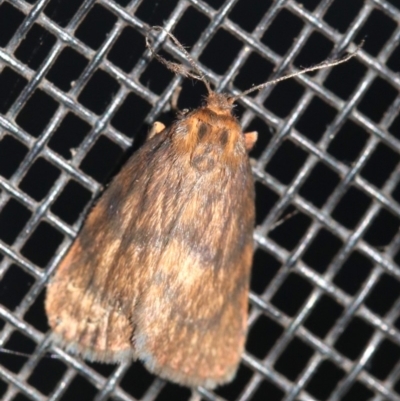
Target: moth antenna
{"points": [[175, 67], [324, 64]]}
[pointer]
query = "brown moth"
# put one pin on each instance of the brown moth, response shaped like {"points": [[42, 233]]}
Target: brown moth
{"points": [[160, 270]]}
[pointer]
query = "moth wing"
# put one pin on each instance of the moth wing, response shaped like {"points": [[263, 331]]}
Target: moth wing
{"points": [[80, 323], [190, 327], [190, 320], [85, 298]]}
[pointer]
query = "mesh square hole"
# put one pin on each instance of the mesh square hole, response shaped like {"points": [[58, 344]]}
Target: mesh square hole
{"points": [[348, 143], [319, 185], [393, 61], [316, 49], [351, 208], [325, 380], [12, 153], [3, 385], [36, 315], [315, 119], [71, 202], [380, 165], [248, 13], [173, 392], [20, 343], [344, 78], [383, 295], [394, 127], [262, 336], [254, 66], [216, 4], [286, 162], [97, 24], [384, 359], [36, 113], [143, 380], [396, 193], [264, 269], [294, 359], [42, 244], [122, 3], [190, 26], [284, 97], [354, 272], [358, 391], [378, 28], [11, 84], [101, 159], [67, 68], [310, 4], [99, 92], [54, 369], [156, 76], [62, 12], [220, 51], [13, 218], [267, 388], [79, 389], [292, 294], [39, 179], [322, 250], [377, 99], [265, 200], [69, 135], [352, 342], [282, 31], [14, 285], [155, 12], [20, 396], [346, 10], [127, 49], [130, 115], [190, 97], [10, 20], [35, 46], [383, 229], [323, 316], [289, 234], [232, 390]]}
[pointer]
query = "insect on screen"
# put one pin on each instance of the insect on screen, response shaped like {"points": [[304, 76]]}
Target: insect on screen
{"points": [[79, 91]]}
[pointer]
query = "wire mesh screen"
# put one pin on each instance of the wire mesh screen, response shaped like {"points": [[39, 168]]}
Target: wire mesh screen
{"points": [[78, 89]]}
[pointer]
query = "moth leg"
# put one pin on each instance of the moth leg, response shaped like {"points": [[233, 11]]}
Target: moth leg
{"points": [[174, 103], [250, 138], [155, 129], [175, 98]]}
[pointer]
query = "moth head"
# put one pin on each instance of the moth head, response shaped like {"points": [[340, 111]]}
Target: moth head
{"points": [[220, 103]]}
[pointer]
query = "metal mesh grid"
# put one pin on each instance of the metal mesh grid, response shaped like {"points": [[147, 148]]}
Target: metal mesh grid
{"points": [[76, 85]]}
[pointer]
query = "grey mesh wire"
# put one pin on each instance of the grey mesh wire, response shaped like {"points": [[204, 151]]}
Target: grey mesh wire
{"points": [[76, 87]]}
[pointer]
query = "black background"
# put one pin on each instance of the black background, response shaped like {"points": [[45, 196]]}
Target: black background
{"points": [[103, 157]]}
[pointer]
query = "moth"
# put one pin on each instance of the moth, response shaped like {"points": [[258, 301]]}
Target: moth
{"points": [[160, 270]]}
